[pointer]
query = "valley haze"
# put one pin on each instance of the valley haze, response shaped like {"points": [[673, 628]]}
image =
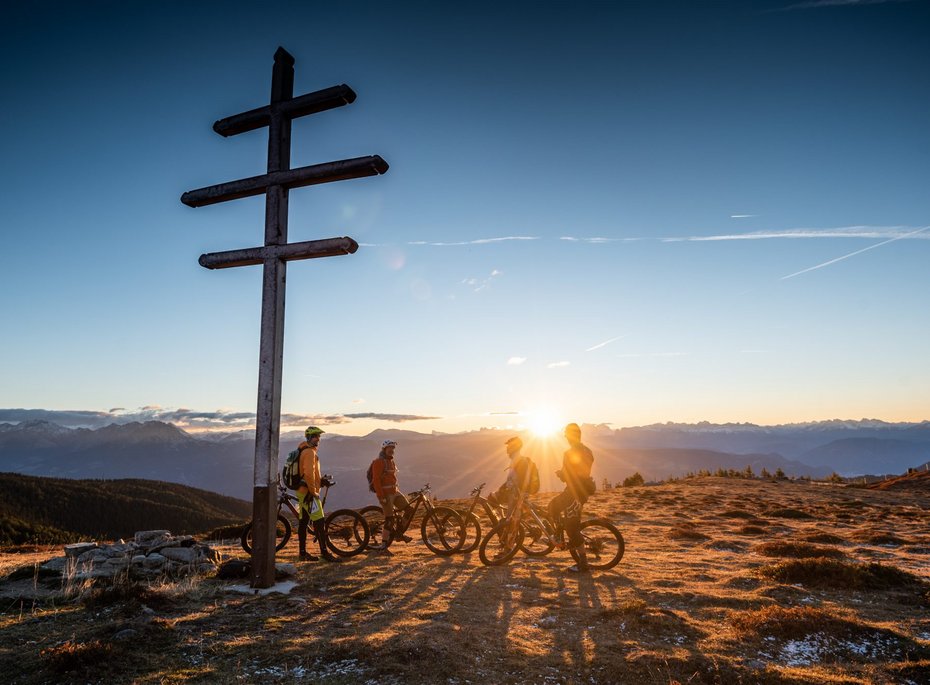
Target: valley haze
{"points": [[454, 463]]}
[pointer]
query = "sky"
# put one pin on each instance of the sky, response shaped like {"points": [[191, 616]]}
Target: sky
{"points": [[623, 213]]}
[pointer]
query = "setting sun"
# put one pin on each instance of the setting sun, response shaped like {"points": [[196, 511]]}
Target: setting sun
{"points": [[543, 423]]}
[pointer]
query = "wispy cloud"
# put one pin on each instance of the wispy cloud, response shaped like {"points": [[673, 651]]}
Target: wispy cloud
{"points": [[812, 233], [479, 241], [817, 4], [479, 284], [597, 240], [558, 365], [516, 361], [853, 254], [398, 418], [743, 216], [603, 344]]}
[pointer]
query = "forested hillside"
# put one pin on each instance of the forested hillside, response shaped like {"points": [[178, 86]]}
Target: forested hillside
{"points": [[34, 509]]}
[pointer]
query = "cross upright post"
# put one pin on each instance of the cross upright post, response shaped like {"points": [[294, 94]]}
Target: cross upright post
{"points": [[273, 256]]}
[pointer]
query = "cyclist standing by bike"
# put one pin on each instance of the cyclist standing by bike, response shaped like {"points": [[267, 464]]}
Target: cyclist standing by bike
{"points": [[308, 496], [522, 477], [384, 483], [576, 474]]}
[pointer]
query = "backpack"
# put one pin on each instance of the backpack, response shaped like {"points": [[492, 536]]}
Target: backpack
{"points": [[531, 480], [371, 482], [290, 474]]}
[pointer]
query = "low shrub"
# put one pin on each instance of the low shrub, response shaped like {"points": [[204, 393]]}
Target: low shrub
{"points": [[797, 550], [834, 573], [789, 514]]}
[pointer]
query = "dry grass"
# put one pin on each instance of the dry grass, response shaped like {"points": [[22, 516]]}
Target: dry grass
{"points": [[689, 603]]}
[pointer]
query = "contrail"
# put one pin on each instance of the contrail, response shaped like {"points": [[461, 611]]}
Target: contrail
{"points": [[606, 342], [853, 254]]}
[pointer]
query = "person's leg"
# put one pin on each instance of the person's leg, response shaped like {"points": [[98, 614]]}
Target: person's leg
{"points": [[302, 523], [400, 503], [558, 504], [575, 539]]}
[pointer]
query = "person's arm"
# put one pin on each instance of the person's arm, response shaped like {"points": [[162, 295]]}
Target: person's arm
{"points": [[377, 470]]}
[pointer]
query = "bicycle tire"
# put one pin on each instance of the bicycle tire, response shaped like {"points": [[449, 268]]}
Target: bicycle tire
{"points": [[282, 534], [500, 544], [443, 531], [472, 533], [603, 544], [346, 532], [537, 542], [374, 518]]}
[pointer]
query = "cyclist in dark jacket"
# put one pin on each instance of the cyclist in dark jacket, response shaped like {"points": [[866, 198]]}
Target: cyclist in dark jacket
{"points": [[579, 486]]}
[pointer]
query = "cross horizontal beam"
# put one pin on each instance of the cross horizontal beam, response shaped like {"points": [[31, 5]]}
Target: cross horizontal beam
{"points": [[311, 249], [311, 103], [342, 170]]}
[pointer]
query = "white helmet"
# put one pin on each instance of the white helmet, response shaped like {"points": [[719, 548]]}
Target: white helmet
{"points": [[388, 443]]}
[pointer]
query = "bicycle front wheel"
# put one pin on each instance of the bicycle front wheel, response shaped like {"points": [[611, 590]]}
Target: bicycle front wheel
{"points": [[443, 531], [501, 543], [603, 544], [472, 534], [282, 534], [346, 532], [374, 519]]}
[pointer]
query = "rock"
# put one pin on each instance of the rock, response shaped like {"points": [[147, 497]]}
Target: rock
{"points": [[149, 538], [182, 554], [117, 562], [125, 634], [120, 550], [138, 560], [58, 564], [233, 569], [284, 570], [93, 556], [79, 548], [154, 560]]}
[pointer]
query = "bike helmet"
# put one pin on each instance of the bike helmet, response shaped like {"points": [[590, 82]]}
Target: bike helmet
{"points": [[514, 444], [313, 430], [388, 443]]}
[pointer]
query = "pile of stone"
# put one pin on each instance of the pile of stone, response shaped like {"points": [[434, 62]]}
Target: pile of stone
{"points": [[151, 554]]}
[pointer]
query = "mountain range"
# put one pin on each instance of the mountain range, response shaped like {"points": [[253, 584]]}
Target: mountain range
{"points": [[454, 463]]}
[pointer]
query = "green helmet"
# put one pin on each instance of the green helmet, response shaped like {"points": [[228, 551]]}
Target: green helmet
{"points": [[313, 430]]}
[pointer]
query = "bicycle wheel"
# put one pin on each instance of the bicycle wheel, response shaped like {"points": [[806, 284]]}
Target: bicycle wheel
{"points": [[374, 518], [282, 534], [501, 543], [346, 532], [603, 544], [443, 531], [472, 533], [537, 540]]}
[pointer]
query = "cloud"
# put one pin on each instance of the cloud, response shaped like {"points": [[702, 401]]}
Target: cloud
{"points": [[558, 365], [516, 361], [812, 233], [399, 418], [742, 216], [603, 344], [358, 401], [817, 4], [477, 285], [853, 254], [479, 241], [597, 240]]}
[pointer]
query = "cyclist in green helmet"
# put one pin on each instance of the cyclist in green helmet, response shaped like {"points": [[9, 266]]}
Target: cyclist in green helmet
{"points": [[308, 496]]}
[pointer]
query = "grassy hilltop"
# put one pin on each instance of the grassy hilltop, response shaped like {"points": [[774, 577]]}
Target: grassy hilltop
{"points": [[724, 581]]}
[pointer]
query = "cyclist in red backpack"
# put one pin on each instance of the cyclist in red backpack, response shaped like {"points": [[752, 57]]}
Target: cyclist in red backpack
{"points": [[384, 483]]}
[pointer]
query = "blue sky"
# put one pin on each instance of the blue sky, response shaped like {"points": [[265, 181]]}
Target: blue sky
{"points": [[623, 213]]}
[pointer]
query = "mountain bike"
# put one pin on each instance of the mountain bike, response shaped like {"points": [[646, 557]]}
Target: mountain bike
{"points": [[442, 528], [530, 529], [346, 529], [473, 520]]}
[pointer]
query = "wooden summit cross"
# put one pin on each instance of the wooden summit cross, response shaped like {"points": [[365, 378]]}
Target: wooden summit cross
{"points": [[274, 255]]}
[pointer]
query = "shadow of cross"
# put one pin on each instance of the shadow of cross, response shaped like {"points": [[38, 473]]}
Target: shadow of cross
{"points": [[274, 255]]}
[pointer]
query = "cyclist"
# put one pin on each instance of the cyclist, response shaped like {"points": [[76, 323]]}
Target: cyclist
{"points": [[576, 474], [384, 483], [521, 474], [308, 496]]}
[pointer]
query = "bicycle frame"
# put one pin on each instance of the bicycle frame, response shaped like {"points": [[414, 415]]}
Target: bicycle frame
{"points": [[477, 499]]}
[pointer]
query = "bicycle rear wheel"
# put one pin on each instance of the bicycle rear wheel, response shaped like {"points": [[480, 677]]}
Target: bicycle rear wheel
{"points": [[472, 533], [537, 541], [443, 531], [282, 534], [501, 543], [374, 518], [603, 544], [346, 532]]}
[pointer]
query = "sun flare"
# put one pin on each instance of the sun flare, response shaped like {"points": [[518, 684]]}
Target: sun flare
{"points": [[543, 423]]}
